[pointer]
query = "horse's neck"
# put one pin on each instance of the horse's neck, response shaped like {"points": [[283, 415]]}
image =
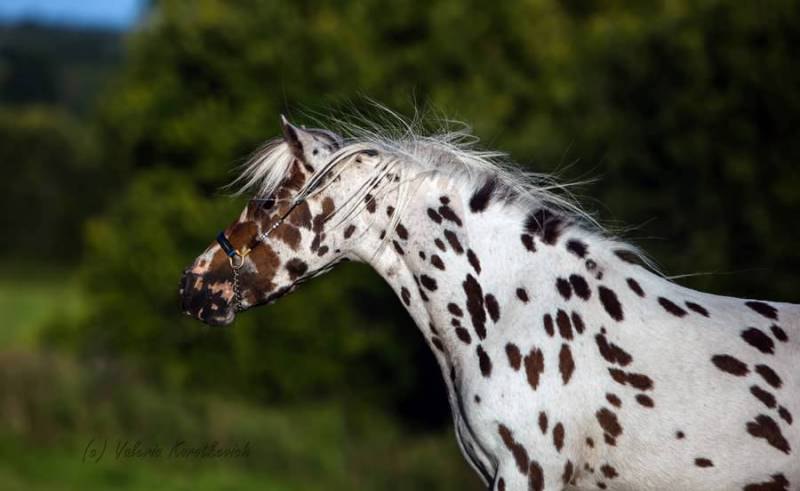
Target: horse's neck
{"points": [[457, 269]]}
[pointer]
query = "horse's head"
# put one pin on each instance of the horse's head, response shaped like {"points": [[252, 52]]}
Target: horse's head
{"points": [[279, 238]]}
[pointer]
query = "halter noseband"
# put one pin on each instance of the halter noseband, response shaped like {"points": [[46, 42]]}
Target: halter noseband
{"points": [[234, 253]]}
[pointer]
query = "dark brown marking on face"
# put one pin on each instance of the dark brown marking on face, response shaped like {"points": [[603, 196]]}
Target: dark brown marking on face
{"points": [[765, 427], [703, 462], [437, 343], [671, 307], [777, 482], [634, 286], [522, 295], [296, 267], [785, 414], [563, 287], [534, 366], [535, 477], [611, 352], [463, 335], [481, 197], [762, 395], [266, 262], [440, 244], [406, 295], [473, 261], [548, 325], [645, 400], [543, 422], [608, 471], [514, 356], [567, 474], [452, 239], [580, 287], [758, 340], [697, 308], [448, 214], [517, 450], [402, 231], [769, 375], [566, 365], [475, 306], [577, 247], [614, 400], [729, 364], [527, 241], [545, 224], [764, 309], [437, 263], [609, 422], [577, 323], [558, 436], [564, 324], [610, 302], [779, 333], [348, 232], [301, 216], [434, 216], [492, 307], [370, 201]]}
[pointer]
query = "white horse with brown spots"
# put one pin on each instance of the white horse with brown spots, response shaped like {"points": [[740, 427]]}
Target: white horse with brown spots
{"points": [[568, 364]]}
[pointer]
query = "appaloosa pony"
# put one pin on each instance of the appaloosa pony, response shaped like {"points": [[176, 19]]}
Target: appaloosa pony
{"points": [[568, 364]]}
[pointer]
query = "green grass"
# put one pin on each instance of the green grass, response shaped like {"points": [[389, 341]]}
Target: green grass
{"points": [[30, 295]]}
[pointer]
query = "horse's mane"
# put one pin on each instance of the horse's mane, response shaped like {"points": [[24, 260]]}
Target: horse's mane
{"points": [[408, 154]]}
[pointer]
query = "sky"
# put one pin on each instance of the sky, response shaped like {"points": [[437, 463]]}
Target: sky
{"points": [[119, 14]]}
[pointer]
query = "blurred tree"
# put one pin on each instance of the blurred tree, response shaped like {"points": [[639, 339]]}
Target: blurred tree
{"points": [[688, 110]]}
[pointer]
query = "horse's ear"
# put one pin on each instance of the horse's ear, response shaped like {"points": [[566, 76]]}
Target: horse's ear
{"points": [[310, 146]]}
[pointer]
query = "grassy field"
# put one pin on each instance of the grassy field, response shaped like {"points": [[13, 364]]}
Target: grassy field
{"points": [[57, 412]]}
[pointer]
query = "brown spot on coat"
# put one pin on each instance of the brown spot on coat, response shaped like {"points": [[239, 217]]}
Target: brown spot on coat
{"points": [[436, 261], [296, 268], [484, 361], [558, 436], [779, 333], [608, 421], [543, 422], [644, 400], [406, 296], [785, 414], [760, 341], [370, 201], [428, 282], [522, 295], [778, 482], [301, 216], [475, 306], [492, 307], [463, 335], [402, 231], [611, 352], [671, 307], [567, 474], [566, 365], [480, 198], [448, 214], [613, 400], [577, 247], [577, 323], [634, 286], [731, 365], [452, 239], [514, 356], [534, 366], [563, 287], [517, 450], [548, 325], [765, 427], [473, 261], [288, 234], [697, 308], [455, 310], [610, 302], [580, 287], [348, 232], [762, 395], [544, 223], [764, 309], [608, 471], [434, 216], [527, 241], [535, 477], [769, 375], [564, 324]]}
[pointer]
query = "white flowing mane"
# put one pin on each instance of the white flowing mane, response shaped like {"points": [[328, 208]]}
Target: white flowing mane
{"points": [[408, 156]]}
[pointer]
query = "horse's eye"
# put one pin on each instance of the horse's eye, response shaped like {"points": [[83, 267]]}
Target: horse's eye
{"points": [[268, 203]]}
